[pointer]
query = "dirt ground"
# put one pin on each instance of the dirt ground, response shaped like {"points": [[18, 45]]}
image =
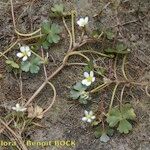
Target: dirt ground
{"points": [[63, 121]]}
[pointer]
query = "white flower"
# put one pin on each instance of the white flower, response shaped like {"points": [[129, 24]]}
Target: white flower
{"points": [[83, 21], [89, 78], [88, 116], [19, 108], [25, 53]]}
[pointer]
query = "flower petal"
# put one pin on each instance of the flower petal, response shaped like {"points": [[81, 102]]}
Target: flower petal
{"points": [[23, 109], [27, 48], [17, 105], [29, 53], [88, 83], [24, 58], [14, 108], [86, 112], [91, 73], [23, 49], [84, 119], [93, 117], [93, 79], [86, 75], [91, 113], [86, 20], [89, 120], [20, 55], [80, 22], [84, 81]]}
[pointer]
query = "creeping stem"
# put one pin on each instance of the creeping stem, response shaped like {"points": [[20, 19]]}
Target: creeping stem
{"points": [[102, 86], [72, 22], [95, 52], [123, 68], [113, 96], [146, 90]]}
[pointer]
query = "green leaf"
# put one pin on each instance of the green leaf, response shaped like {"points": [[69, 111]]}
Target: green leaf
{"points": [[95, 123], [45, 27], [120, 116], [45, 45], [55, 38], [25, 66], [98, 132], [121, 47], [104, 138], [79, 87], [110, 131], [128, 112], [110, 34], [83, 101], [114, 117], [12, 63], [74, 94], [101, 132], [36, 61], [78, 92], [51, 34], [49, 38], [55, 28], [96, 33], [89, 67], [58, 8], [32, 66], [124, 126], [34, 69]]}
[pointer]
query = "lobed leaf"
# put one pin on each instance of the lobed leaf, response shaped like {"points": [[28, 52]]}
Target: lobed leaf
{"points": [[32, 66], [12, 63], [124, 126], [58, 8]]}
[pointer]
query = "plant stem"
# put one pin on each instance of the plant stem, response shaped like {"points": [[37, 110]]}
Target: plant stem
{"points": [[70, 35], [115, 67], [3, 55], [146, 90], [76, 53], [14, 24], [38, 56], [121, 96], [54, 98], [27, 34], [113, 96], [95, 52], [79, 64], [123, 68], [99, 87], [73, 32], [7, 50]]}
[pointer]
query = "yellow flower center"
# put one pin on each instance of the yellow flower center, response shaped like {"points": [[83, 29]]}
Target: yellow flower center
{"points": [[89, 79], [25, 53]]}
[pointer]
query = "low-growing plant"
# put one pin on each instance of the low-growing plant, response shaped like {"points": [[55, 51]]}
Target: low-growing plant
{"points": [[32, 66], [79, 93], [96, 77], [51, 34]]}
